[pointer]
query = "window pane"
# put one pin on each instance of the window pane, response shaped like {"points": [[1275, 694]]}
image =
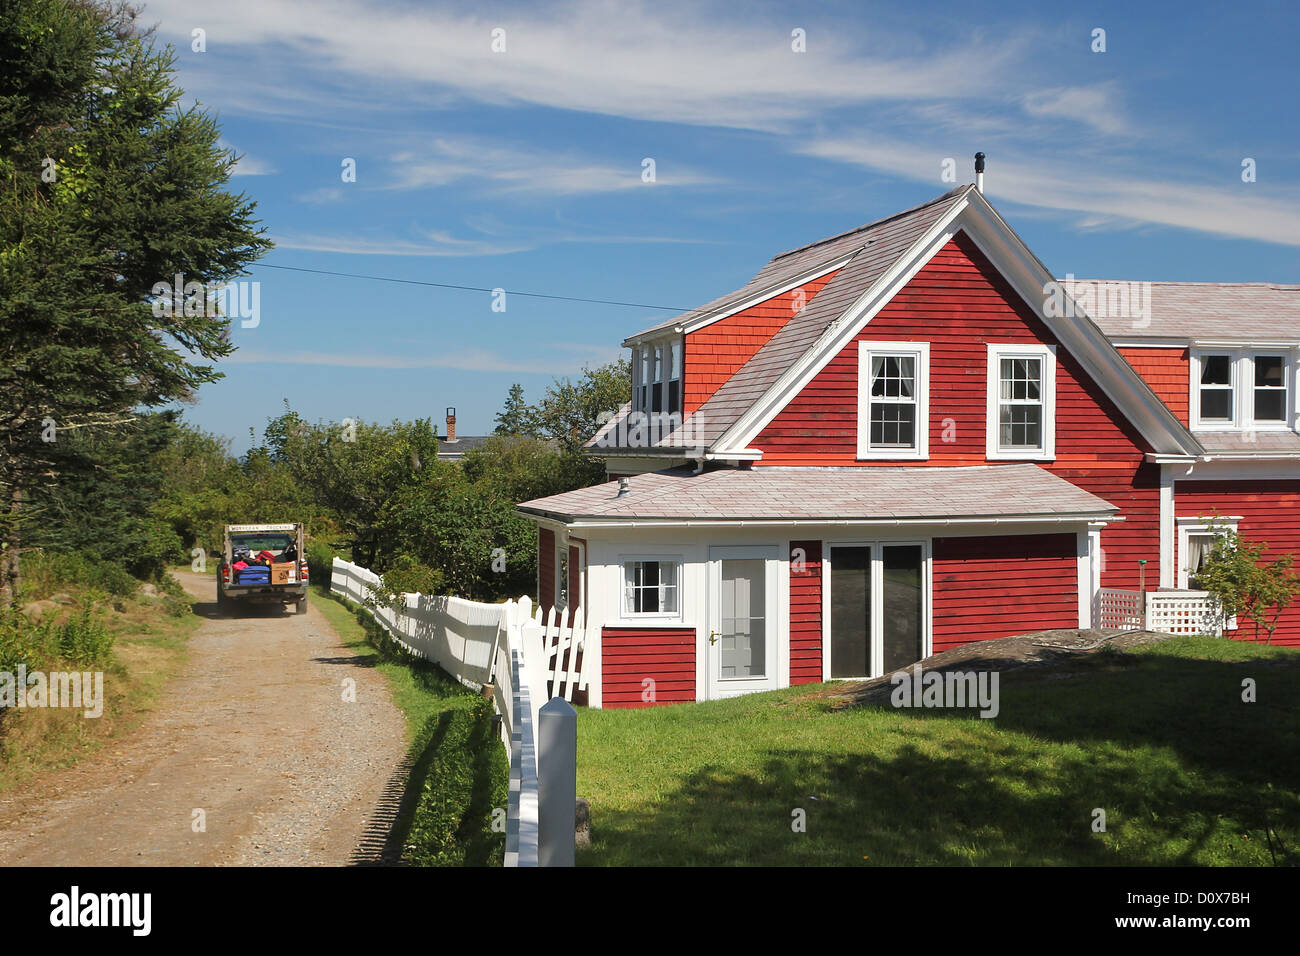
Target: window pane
{"points": [[1216, 403], [1216, 370], [676, 367], [1020, 426], [1268, 371], [893, 425], [1021, 379], [1270, 405]]}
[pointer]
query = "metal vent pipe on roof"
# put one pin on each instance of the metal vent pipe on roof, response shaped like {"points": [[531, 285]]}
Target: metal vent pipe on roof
{"points": [[624, 487], [979, 172]]}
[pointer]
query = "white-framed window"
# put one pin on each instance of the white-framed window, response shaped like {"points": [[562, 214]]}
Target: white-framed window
{"points": [[894, 400], [1215, 389], [657, 377], [1021, 387], [675, 376], [651, 587], [1246, 389], [1268, 403], [1196, 538]]}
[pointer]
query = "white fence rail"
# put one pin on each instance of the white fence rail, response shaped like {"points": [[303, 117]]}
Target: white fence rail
{"points": [[1170, 612], [525, 660]]}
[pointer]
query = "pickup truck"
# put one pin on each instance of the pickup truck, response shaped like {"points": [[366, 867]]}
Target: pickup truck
{"points": [[262, 564]]}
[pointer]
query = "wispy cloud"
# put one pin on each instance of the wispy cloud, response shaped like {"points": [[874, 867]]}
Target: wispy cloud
{"points": [[472, 360], [246, 165], [326, 194], [640, 60], [433, 243], [520, 169], [1118, 194], [1096, 107]]}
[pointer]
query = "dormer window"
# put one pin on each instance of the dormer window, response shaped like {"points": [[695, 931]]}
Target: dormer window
{"points": [[657, 377], [1270, 388], [1216, 389], [1241, 389]]}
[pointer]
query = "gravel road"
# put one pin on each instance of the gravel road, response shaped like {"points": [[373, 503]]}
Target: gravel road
{"points": [[255, 733]]}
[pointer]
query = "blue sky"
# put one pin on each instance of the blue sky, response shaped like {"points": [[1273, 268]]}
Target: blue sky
{"points": [[522, 169]]}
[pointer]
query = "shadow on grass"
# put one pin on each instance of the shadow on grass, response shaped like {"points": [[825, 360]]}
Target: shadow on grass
{"points": [[1185, 772]]}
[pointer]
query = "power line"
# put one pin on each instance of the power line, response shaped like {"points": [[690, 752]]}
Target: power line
{"points": [[472, 288]]}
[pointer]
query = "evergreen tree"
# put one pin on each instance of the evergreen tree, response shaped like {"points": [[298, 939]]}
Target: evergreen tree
{"points": [[516, 418], [107, 188]]}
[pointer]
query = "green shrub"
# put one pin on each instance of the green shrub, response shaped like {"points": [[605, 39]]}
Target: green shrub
{"points": [[320, 563], [46, 573], [82, 640]]}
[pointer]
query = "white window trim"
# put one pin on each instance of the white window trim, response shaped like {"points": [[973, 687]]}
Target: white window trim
{"points": [[997, 352], [1242, 363], [1189, 526], [623, 613], [920, 352]]}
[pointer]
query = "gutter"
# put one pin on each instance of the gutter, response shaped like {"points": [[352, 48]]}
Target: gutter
{"points": [[573, 521]]}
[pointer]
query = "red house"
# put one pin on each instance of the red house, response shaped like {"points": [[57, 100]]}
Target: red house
{"points": [[908, 437]]}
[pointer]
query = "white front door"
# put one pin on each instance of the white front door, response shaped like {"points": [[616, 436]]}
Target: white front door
{"points": [[741, 644]]}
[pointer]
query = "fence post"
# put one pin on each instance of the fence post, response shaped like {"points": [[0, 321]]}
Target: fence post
{"points": [[557, 783]]}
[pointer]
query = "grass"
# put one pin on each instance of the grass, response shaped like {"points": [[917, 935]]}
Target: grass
{"points": [[459, 771], [1157, 738], [150, 635]]}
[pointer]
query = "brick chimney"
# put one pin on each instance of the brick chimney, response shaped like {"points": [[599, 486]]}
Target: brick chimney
{"points": [[451, 425]]}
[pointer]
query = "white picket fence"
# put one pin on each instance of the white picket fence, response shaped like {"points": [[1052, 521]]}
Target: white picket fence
{"points": [[525, 659], [1169, 612]]}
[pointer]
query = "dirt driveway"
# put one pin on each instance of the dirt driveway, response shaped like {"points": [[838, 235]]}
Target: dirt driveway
{"points": [[255, 733]]}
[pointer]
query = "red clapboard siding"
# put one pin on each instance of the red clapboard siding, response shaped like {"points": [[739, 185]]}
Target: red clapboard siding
{"points": [[1002, 586], [959, 303], [1166, 371], [545, 568], [1270, 511], [806, 613], [713, 354], [629, 655]]}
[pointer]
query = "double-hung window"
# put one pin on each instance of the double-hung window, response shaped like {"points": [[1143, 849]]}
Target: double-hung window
{"points": [[1215, 398], [1234, 389], [1269, 398], [893, 400], [650, 586], [1021, 402]]}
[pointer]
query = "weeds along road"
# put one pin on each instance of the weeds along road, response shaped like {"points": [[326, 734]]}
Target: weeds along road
{"points": [[255, 733]]}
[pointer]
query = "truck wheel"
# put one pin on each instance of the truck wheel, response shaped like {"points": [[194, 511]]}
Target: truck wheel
{"points": [[223, 603]]}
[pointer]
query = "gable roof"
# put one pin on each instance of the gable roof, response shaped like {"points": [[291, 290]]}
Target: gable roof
{"points": [[1214, 311], [968, 494], [890, 252], [788, 267]]}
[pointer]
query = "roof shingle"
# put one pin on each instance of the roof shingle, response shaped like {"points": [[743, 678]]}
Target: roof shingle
{"points": [[812, 494]]}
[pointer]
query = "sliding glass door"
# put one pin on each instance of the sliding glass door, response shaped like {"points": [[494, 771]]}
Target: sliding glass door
{"points": [[876, 608]]}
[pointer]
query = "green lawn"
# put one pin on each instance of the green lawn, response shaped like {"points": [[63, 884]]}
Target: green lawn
{"points": [[1158, 738]]}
